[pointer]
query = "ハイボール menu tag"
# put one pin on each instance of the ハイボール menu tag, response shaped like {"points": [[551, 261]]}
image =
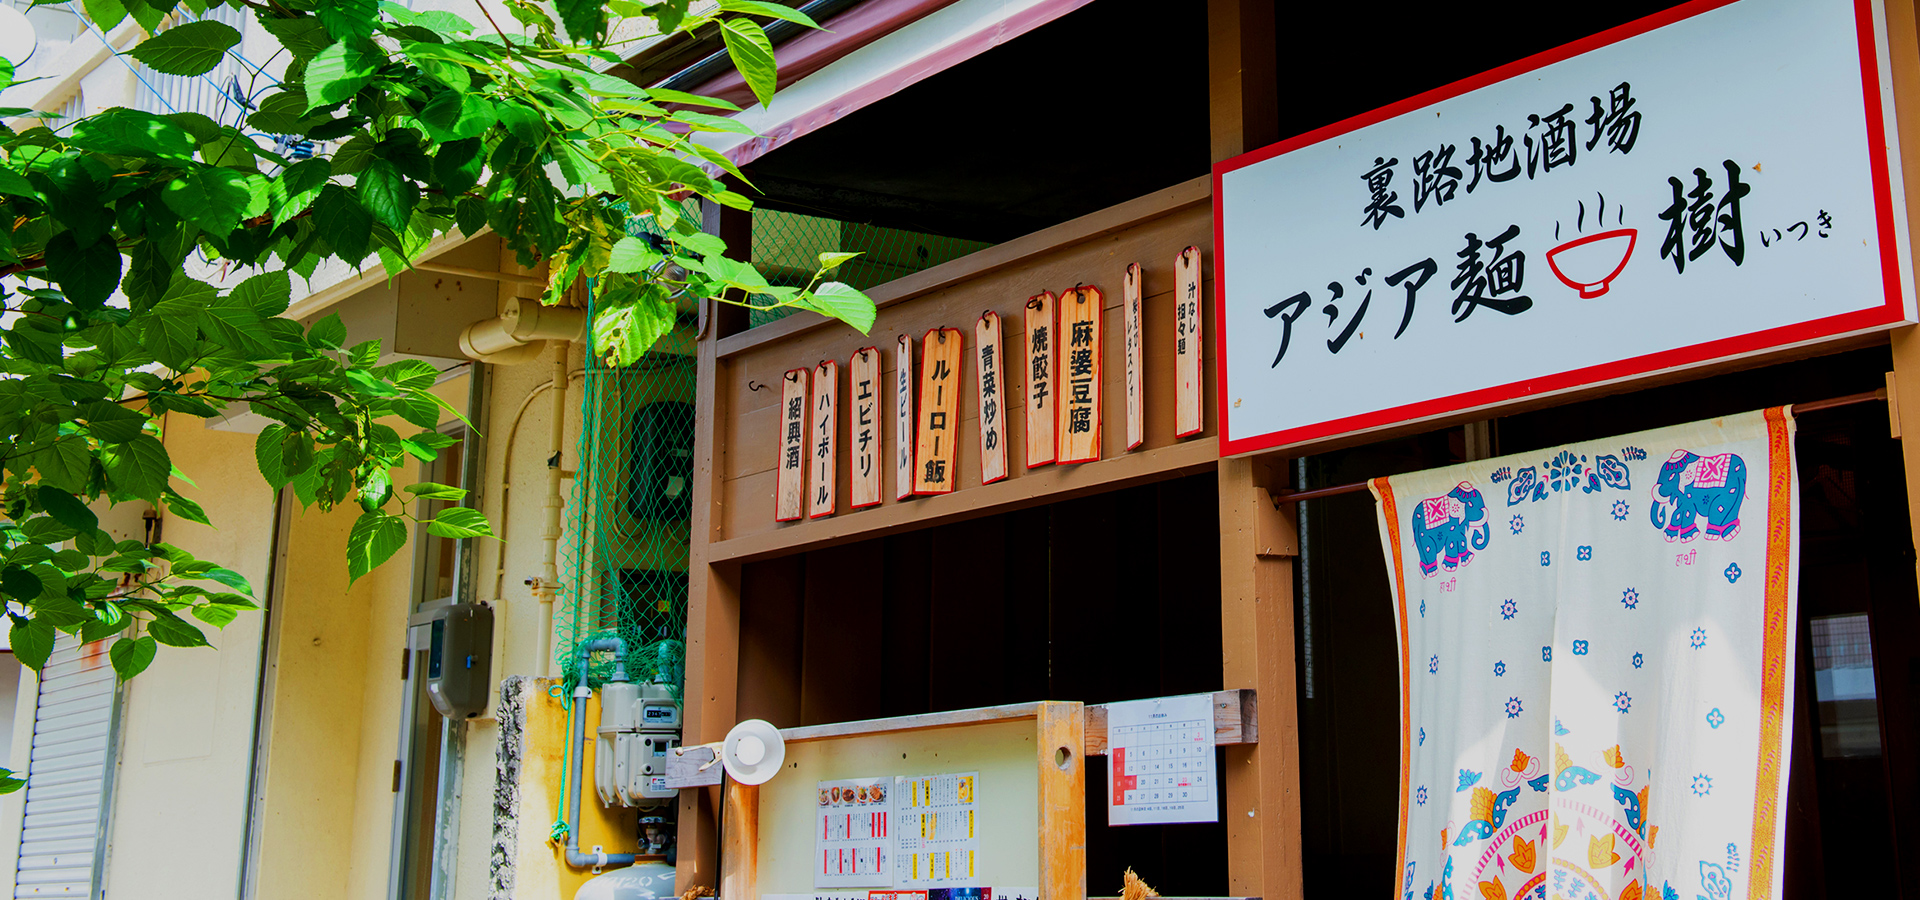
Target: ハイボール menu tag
{"points": [[993, 414], [826, 401], [863, 436], [1080, 366], [936, 446], [1130, 304], [1042, 372], [904, 433], [1187, 416], [790, 490]]}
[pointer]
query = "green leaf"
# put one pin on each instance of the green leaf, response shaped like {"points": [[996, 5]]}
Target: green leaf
{"points": [[87, 274], [709, 122], [752, 54], [282, 112], [843, 302], [171, 630], [190, 49], [216, 614], [632, 254], [14, 183], [427, 490], [66, 463], [20, 585], [460, 522], [139, 467], [667, 95], [453, 116], [266, 454], [130, 132], [344, 223], [303, 36], [212, 197], [762, 8], [267, 294], [131, 656], [628, 332], [347, 19], [375, 538], [586, 20], [294, 189], [184, 508], [523, 123], [105, 13], [329, 332], [387, 194], [833, 260], [457, 165], [228, 577], [67, 509], [111, 423], [32, 641], [340, 71]]}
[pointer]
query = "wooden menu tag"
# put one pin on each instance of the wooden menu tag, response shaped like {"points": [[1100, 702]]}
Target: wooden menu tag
{"points": [[1187, 419], [903, 427], [936, 445], [1080, 366], [1042, 373], [790, 491], [1136, 424], [993, 414], [826, 401], [863, 372]]}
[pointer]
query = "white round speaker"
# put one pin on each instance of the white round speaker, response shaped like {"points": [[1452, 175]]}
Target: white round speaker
{"points": [[753, 752]]}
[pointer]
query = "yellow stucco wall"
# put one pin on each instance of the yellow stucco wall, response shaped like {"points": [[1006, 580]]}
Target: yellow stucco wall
{"points": [[541, 872]]}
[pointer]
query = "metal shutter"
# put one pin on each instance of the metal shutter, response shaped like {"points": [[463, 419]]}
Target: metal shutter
{"points": [[67, 777]]}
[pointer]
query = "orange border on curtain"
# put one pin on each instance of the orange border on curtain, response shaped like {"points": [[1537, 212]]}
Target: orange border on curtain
{"points": [[1773, 671], [1384, 491]]}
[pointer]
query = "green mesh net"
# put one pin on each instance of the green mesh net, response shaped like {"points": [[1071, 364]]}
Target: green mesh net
{"points": [[624, 566], [787, 248]]}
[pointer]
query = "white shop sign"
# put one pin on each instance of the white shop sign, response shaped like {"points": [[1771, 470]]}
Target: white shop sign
{"points": [[1708, 183]]}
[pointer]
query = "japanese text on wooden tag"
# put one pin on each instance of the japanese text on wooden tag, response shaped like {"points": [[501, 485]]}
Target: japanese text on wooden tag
{"points": [[937, 444], [993, 414], [903, 422], [863, 437], [790, 491], [1130, 304], [1187, 416], [826, 401], [1080, 375], [1042, 372]]}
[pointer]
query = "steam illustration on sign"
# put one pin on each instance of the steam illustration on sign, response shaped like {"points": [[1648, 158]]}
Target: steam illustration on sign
{"points": [[1589, 264]]}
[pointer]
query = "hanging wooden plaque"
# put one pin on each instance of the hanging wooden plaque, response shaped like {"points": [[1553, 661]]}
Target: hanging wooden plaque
{"points": [[936, 446], [904, 434], [790, 491], [1188, 418], [1080, 367], [993, 414], [1042, 372], [823, 435], [1136, 421], [863, 435]]}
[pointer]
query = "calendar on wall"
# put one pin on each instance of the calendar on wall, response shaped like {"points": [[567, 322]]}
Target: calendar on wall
{"points": [[1160, 761]]}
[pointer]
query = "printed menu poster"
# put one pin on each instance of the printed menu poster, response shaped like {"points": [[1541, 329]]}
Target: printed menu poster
{"points": [[852, 839], [1160, 761], [936, 831]]}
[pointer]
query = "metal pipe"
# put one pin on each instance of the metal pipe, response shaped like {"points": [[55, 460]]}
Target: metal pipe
{"points": [[581, 693], [549, 584], [1797, 408]]}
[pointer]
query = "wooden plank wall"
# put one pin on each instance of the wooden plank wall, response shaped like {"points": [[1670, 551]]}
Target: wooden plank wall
{"points": [[1092, 250]]}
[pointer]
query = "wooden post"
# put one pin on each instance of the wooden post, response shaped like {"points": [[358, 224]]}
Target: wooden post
{"points": [[1256, 626], [1243, 92], [741, 854], [1903, 57], [713, 591], [1063, 793]]}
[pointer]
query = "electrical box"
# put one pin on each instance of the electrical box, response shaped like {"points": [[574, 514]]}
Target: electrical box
{"points": [[660, 462], [459, 642]]}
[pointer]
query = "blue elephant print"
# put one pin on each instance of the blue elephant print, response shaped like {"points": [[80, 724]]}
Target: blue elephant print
{"points": [[1448, 529], [1699, 493]]}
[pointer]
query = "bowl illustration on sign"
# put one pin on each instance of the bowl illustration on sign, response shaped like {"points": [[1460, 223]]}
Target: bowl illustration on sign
{"points": [[1590, 264]]}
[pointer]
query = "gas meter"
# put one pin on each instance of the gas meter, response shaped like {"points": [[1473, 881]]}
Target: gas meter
{"points": [[639, 727]]}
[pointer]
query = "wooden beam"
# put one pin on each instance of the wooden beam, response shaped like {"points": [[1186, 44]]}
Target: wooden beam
{"points": [[1262, 811], [1063, 801], [1048, 485], [1903, 384], [1236, 720], [741, 855], [713, 623], [1243, 90]]}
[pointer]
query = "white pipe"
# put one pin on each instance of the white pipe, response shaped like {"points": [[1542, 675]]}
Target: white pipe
{"points": [[549, 585], [515, 336]]}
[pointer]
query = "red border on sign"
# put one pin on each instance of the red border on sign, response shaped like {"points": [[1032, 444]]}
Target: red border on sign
{"points": [[1888, 313]]}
